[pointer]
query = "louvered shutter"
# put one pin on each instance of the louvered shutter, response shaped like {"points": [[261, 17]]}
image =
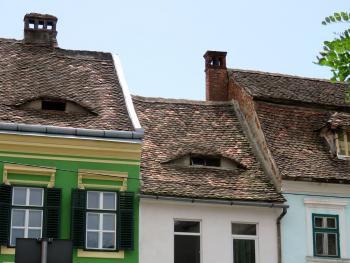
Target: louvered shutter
{"points": [[52, 212], [78, 218], [126, 221], [5, 213]]}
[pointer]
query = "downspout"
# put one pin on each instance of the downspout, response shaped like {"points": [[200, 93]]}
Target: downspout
{"points": [[279, 240]]}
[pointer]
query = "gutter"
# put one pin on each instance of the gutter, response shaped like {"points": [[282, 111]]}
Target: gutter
{"points": [[18, 128], [279, 241], [214, 201]]}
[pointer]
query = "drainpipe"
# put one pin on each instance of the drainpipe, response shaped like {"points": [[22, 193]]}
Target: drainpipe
{"points": [[279, 241]]}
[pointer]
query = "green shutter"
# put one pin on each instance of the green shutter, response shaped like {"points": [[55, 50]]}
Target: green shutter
{"points": [[126, 221], [52, 212], [5, 213], [78, 218]]}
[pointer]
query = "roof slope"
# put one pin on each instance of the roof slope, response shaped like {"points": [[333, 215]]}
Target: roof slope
{"points": [[29, 72], [175, 127]]}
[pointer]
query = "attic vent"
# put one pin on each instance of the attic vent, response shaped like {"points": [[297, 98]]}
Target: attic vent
{"points": [[205, 161], [53, 105]]}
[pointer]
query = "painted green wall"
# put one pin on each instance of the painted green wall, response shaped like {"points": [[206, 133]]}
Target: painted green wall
{"points": [[67, 181]]}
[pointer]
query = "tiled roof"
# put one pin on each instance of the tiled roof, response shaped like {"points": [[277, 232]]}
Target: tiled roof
{"points": [[29, 72], [279, 87], [177, 127]]}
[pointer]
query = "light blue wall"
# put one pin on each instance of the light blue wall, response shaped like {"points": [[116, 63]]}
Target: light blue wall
{"points": [[294, 225]]}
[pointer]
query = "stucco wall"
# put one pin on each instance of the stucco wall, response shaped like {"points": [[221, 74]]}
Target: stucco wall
{"points": [[157, 231]]}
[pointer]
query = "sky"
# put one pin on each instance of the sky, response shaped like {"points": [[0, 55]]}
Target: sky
{"points": [[161, 43]]}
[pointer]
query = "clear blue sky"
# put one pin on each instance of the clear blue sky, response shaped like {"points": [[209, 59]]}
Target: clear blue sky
{"points": [[161, 43]]}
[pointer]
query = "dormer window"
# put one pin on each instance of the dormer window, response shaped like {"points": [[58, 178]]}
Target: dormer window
{"points": [[53, 105], [342, 140], [205, 161]]}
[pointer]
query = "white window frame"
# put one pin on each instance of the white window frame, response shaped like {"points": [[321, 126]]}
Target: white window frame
{"points": [[188, 234], [96, 211], [247, 237], [17, 207]]}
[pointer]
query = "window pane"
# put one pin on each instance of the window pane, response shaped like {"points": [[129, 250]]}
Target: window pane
{"points": [[243, 251], [109, 201], [318, 221], [92, 240], [108, 222], [93, 221], [341, 143], [18, 217], [186, 226], [16, 233], [36, 197], [319, 244], [34, 218], [93, 200], [331, 222], [244, 229], [34, 233], [187, 249], [197, 161], [19, 195], [108, 240], [332, 245]]}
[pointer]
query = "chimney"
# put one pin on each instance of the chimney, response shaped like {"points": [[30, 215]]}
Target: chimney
{"points": [[40, 30], [216, 79]]}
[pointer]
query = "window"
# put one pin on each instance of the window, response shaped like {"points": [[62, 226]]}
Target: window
{"points": [[325, 235], [343, 137], [244, 243], [186, 241], [26, 213], [101, 220], [205, 161], [53, 105]]}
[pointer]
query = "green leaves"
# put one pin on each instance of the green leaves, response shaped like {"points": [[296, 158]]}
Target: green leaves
{"points": [[336, 53]]}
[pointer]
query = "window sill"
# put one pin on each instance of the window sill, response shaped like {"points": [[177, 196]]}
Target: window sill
{"points": [[327, 260], [7, 250], [99, 254]]}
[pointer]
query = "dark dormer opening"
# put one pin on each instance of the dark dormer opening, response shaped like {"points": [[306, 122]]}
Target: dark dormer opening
{"points": [[205, 161], [53, 105]]}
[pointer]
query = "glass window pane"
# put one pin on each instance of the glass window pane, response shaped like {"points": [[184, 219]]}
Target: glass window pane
{"points": [[19, 195], [16, 233], [244, 251], [318, 221], [186, 249], [341, 143], [331, 222], [92, 240], [319, 243], [332, 245], [108, 222], [109, 201], [18, 217], [36, 197], [34, 218], [33, 233], [243, 229], [93, 200], [93, 221], [186, 226], [108, 240]]}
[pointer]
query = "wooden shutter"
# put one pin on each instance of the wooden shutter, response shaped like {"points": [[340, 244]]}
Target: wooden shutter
{"points": [[78, 218], [126, 221], [5, 213], [52, 211]]}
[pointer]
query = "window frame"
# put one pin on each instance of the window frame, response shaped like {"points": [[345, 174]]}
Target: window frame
{"points": [[326, 230], [188, 234], [101, 211], [346, 143], [205, 160], [247, 237], [27, 208]]}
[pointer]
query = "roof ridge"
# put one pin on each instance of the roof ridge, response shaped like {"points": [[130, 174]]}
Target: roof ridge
{"points": [[179, 101], [276, 74]]}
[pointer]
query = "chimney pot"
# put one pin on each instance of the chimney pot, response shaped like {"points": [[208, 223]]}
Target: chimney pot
{"points": [[40, 30]]}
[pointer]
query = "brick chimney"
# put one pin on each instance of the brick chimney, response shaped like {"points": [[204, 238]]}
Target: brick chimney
{"points": [[40, 30], [216, 76]]}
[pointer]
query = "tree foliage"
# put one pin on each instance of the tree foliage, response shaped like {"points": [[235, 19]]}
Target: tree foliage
{"points": [[336, 53]]}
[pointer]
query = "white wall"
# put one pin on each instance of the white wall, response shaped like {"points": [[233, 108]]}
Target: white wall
{"points": [[157, 230]]}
